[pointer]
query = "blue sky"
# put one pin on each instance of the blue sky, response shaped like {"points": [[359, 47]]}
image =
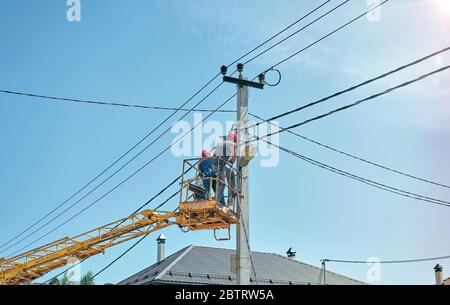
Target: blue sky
{"points": [[160, 53]]}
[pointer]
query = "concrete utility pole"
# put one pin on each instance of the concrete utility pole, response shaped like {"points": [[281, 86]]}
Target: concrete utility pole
{"points": [[242, 237], [243, 228]]}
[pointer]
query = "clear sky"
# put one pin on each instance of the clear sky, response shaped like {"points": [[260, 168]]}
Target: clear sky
{"points": [[159, 53]]}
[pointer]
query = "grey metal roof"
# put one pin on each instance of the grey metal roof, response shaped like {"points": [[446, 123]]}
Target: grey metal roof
{"points": [[206, 265]]}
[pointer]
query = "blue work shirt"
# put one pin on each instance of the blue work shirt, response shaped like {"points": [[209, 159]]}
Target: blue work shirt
{"points": [[206, 168]]}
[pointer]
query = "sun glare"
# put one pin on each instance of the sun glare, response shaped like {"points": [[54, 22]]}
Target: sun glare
{"points": [[443, 5]]}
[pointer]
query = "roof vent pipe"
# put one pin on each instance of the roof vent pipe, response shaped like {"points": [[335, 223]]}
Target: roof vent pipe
{"points": [[161, 240], [438, 274]]}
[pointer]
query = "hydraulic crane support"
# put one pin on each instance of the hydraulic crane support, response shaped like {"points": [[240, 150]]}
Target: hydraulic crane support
{"points": [[30, 265], [204, 212]]}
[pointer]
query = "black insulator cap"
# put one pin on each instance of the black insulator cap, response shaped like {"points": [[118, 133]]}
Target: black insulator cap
{"points": [[223, 70], [240, 67], [262, 78]]}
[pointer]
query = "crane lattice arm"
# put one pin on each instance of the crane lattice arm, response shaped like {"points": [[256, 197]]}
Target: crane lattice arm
{"points": [[204, 212], [30, 265]]}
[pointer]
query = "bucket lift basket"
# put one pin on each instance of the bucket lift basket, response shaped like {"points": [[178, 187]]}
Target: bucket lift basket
{"points": [[200, 206]]}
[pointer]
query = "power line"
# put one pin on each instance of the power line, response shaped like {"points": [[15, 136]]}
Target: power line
{"points": [[331, 33], [143, 237], [294, 33], [359, 85], [109, 177], [195, 127], [361, 179], [353, 156], [359, 101], [272, 118], [103, 103], [90, 205], [109, 167], [121, 104], [284, 61], [146, 203], [129, 177], [280, 32], [154, 140], [121, 255], [319, 280], [415, 260], [136, 243], [247, 242]]}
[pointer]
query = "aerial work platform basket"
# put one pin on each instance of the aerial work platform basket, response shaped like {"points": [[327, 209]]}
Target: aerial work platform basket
{"points": [[201, 204]]}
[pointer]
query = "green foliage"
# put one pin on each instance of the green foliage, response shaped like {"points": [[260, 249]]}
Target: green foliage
{"points": [[66, 281], [87, 279]]}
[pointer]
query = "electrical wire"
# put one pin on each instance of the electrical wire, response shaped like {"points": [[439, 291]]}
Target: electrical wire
{"points": [[93, 203], [121, 104], [277, 82], [146, 203], [247, 241], [267, 142], [319, 280], [110, 166], [281, 32], [416, 260], [103, 103], [317, 42], [298, 53], [296, 32], [398, 69], [181, 107], [109, 177], [353, 156], [136, 243], [121, 255], [284, 129], [331, 33], [126, 179], [361, 179], [404, 84]]}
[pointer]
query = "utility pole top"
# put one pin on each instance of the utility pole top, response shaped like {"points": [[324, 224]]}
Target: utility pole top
{"points": [[240, 81]]}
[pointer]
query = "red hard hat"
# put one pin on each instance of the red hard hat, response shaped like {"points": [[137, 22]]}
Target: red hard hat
{"points": [[205, 153], [234, 136]]}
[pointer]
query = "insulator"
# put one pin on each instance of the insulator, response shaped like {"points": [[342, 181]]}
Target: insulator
{"points": [[262, 78], [223, 70]]}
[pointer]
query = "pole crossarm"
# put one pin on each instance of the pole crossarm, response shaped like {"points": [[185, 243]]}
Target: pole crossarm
{"points": [[35, 263], [243, 82]]}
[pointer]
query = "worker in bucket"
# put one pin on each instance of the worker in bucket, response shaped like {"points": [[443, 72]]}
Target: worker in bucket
{"points": [[224, 153], [206, 172]]}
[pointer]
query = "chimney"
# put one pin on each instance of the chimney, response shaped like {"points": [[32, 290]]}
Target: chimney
{"points": [[290, 253], [438, 274], [161, 240]]}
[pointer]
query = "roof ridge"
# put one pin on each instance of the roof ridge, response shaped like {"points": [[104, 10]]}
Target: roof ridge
{"points": [[146, 269], [163, 272], [201, 246]]}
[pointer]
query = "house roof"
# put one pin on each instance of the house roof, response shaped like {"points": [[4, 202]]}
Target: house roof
{"points": [[206, 265]]}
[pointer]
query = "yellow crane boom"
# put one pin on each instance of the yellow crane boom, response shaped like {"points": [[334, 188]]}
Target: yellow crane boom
{"points": [[33, 264], [203, 212]]}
